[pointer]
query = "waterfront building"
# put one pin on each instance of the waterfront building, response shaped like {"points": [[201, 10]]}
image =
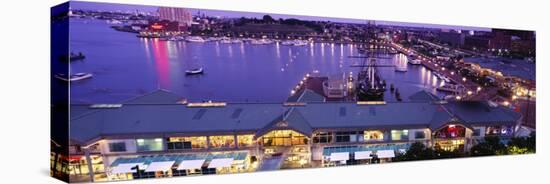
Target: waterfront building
{"points": [[160, 135], [180, 15], [453, 38], [477, 42], [335, 86]]}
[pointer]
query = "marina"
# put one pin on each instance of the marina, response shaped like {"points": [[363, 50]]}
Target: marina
{"points": [[159, 65], [176, 92]]}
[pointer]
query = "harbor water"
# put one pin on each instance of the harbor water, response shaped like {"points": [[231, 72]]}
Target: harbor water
{"points": [[125, 66]]}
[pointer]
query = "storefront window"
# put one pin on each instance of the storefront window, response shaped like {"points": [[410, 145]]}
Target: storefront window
{"points": [[322, 137], [79, 166], [245, 140], [179, 143], [150, 144], [373, 135], [284, 138], [450, 145], [224, 141], [398, 135]]}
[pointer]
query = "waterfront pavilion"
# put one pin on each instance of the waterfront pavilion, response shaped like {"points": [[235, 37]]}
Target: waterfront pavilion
{"points": [[303, 134]]}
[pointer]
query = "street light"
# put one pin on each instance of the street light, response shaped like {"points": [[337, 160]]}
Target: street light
{"points": [[478, 88], [464, 79], [469, 92]]}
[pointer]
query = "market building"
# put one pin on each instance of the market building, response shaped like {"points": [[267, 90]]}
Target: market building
{"points": [[161, 135]]}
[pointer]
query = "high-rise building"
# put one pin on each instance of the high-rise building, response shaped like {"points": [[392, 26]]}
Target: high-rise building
{"points": [[180, 15]]}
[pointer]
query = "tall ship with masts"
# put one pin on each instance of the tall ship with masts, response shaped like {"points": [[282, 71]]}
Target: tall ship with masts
{"points": [[370, 86]]}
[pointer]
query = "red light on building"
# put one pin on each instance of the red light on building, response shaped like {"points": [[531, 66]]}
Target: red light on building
{"points": [[157, 26]]}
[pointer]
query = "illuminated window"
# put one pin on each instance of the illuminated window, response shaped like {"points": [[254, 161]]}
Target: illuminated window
{"points": [[284, 138], [398, 135], [149, 144], [499, 130], [451, 131], [245, 140], [178, 143], [223, 141], [373, 135]]}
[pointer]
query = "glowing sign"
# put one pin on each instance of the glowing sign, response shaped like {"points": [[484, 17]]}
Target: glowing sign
{"points": [[157, 26]]}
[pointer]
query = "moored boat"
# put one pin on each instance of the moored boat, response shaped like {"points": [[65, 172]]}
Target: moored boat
{"points": [[261, 42], [415, 61], [194, 71], [74, 77], [195, 39], [450, 88]]}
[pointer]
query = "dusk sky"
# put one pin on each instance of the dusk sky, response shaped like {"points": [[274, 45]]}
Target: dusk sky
{"points": [[236, 14]]}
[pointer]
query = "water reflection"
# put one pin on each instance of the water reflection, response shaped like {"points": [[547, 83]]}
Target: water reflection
{"points": [[161, 63]]}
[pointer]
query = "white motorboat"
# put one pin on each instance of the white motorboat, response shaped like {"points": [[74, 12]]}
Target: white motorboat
{"points": [[447, 80], [261, 42], [74, 77], [415, 61], [195, 39], [300, 43], [194, 71]]}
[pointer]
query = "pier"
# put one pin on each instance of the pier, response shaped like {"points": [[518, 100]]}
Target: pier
{"points": [[473, 91]]}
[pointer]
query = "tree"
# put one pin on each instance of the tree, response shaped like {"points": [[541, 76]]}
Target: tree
{"points": [[522, 145], [490, 146], [417, 151], [268, 19]]}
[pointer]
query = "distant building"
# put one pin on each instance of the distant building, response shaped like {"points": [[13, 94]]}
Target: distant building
{"points": [[180, 15], [517, 41], [501, 39], [477, 42], [452, 38]]}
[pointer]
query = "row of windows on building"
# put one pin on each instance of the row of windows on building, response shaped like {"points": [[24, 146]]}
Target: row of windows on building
{"points": [[364, 136], [182, 143], [451, 131], [290, 137]]}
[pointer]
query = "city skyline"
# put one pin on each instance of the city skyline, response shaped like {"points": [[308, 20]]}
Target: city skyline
{"points": [[238, 14]]}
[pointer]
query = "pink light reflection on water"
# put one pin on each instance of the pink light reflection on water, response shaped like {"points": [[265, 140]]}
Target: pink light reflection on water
{"points": [[160, 55]]}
